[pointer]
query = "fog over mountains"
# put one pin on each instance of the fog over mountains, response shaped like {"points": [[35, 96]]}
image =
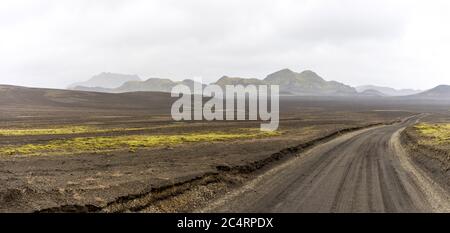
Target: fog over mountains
{"points": [[305, 83], [110, 90], [387, 90], [441, 91], [105, 81]]}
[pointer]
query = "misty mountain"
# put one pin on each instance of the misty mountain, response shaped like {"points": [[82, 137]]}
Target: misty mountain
{"points": [[388, 90], [154, 85], [307, 83], [149, 85], [106, 80], [92, 89], [292, 83], [372, 93], [225, 80], [441, 92]]}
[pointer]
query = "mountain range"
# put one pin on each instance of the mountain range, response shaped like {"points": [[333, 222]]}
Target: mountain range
{"points": [[306, 83], [291, 83], [130, 84]]}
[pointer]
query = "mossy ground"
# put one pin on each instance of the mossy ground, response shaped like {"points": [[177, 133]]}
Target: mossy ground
{"points": [[60, 130], [437, 134], [127, 142]]}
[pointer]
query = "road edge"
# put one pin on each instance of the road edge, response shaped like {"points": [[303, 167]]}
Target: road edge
{"points": [[436, 196]]}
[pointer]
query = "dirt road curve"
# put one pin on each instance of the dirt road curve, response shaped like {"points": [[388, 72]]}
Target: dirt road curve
{"points": [[358, 172]]}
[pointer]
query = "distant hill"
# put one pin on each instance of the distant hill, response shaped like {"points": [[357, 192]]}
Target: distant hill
{"points": [[150, 85], [292, 83], [371, 92], [153, 84], [41, 98], [441, 92], [225, 80], [307, 83], [106, 80], [388, 90], [92, 89]]}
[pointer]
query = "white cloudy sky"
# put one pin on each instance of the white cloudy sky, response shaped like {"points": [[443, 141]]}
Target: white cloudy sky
{"points": [[403, 43]]}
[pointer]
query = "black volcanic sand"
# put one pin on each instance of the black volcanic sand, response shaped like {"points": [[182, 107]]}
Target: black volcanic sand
{"points": [[33, 183]]}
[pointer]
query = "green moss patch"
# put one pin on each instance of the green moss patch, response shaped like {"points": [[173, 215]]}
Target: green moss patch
{"points": [[128, 142], [434, 133], [71, 130]]}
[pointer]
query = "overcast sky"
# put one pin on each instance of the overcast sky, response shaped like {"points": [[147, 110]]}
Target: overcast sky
{"points": [[403, 44]]}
